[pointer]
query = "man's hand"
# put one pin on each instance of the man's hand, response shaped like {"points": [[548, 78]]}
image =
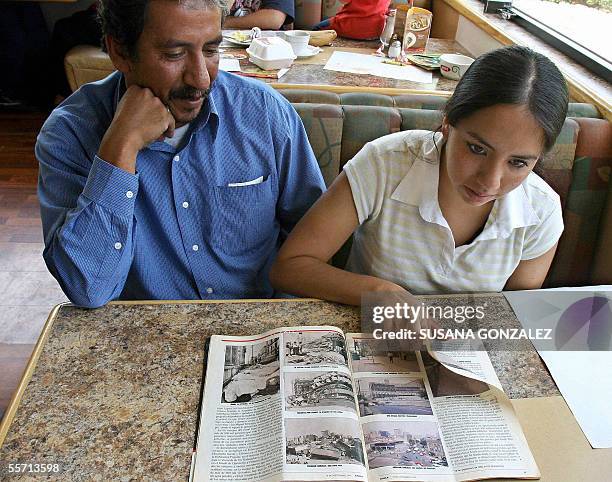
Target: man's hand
{"points": [[141, 118]]}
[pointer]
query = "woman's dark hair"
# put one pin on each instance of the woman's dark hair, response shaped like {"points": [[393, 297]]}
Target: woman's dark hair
{"points": [[513, 75], [124, 19]]}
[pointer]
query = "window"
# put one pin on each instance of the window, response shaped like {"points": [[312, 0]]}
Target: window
{"points": [[582, 29]]}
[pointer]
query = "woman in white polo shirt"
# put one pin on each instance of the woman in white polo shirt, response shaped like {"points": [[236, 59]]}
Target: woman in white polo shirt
{"points": [[458, 210]]}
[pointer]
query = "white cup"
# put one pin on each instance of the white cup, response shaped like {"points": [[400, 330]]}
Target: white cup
{"points": [[298, 40], [453, 66]]}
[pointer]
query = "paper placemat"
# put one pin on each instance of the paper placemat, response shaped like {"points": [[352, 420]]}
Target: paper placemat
{"points": [[559, 447]]}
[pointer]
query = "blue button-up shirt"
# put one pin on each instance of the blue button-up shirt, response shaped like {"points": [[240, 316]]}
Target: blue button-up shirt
{"points": [[189, 224]]}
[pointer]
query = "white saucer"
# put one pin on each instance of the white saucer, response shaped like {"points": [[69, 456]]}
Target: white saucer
{"points": [[231, 39], [311, 51]]}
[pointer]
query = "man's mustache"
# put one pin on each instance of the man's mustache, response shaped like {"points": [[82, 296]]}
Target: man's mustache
{"points": [[189, 93]]}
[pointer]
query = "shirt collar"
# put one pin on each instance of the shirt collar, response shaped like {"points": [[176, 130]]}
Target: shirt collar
{"points": [[425, 168], [119, 91], [210, 111], [509, 212]]}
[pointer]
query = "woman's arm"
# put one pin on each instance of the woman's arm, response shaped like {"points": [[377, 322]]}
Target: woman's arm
{"points": [[301, 266], [264, 18], [530, 274]]}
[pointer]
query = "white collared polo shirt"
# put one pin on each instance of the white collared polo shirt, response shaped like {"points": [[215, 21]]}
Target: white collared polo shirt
{"points": [[404, 238]]}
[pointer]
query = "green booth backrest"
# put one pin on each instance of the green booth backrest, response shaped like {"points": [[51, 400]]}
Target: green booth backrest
{"points": [[323, 124], [363, 124], [590, 189], [411, 101]]}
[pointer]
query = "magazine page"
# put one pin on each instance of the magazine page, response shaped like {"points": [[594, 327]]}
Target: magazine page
{"points": [[240, 435], [469, 363], [445, 326], [322, 434], [476, 417], [401, 432], [423, 421], [279, 406], [479, 427]]}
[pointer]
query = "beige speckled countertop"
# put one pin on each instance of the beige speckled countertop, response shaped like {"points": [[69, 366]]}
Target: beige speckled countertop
{"points": [[115, 392], [311, 72]]}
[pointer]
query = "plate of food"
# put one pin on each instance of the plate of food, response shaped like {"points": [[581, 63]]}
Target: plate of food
{"points": [[426, 61], [239, 37], [309, 52]]}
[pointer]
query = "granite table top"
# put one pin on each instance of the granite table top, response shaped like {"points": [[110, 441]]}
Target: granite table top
{"points": [[310, 72], [115, 392]]}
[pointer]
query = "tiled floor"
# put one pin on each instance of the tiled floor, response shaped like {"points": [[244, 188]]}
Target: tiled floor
{"points": [[27, 291]]}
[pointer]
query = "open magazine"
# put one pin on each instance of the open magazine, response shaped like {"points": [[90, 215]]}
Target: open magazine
{"points": [[311, 403]]}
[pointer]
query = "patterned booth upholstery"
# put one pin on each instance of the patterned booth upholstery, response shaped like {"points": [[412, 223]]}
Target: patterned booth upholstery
{"points": [[578, 167]]}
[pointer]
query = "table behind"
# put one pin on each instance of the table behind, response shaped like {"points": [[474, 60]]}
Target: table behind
{"points": [[311, 74]]}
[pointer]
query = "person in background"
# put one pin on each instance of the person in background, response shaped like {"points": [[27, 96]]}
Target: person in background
{"points": [[81, 28], [358, 19], [169, 179], [457, 210], [265, 14], [24, 42]]}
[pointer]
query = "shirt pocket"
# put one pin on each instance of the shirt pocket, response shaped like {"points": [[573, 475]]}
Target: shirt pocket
{"points": [[243, 217]]}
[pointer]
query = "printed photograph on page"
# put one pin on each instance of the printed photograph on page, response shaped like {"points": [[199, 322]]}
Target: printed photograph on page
{"points": [[251, 371], [311, 348]]}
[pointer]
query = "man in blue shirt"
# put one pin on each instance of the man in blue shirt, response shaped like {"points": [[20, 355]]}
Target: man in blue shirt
{"points": [[169, 179]]}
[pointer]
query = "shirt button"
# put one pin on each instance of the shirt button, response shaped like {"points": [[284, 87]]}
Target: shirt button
{"points": [[185, 204], [176, 158], [195, 247], [118, 245], [209, 290], [129, 194]]}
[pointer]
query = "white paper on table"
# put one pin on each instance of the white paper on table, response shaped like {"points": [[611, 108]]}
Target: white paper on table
{"points": [[584, 378], [229, 65], [373, 65]]}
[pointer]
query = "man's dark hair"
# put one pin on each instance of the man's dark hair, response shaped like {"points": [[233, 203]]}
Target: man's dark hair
{"points": [[513, 75], [124, 19]]}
